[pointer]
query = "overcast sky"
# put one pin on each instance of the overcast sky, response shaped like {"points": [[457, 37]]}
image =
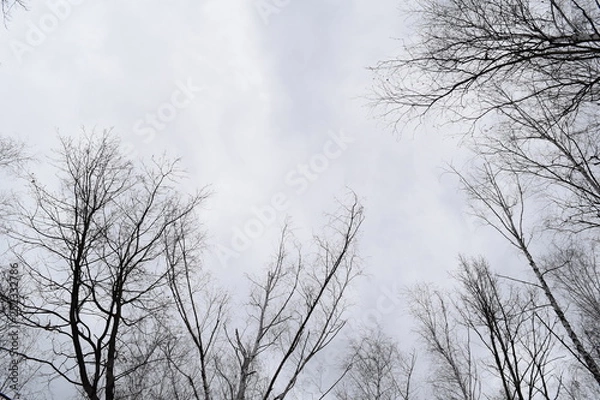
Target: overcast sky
{"points": [[248, 93]]}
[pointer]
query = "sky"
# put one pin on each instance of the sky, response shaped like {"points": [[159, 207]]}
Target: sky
{"points": [[267, 103]]}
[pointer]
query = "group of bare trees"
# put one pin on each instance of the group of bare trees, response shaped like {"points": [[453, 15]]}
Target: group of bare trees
{"points": [[112, 254], [295, 310], [487, 337], [493, 338], [523, 75], [111, 258]]}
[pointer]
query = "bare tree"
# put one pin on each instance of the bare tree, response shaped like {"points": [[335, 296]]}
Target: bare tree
{"points": [[574, 275], [455, 375], [376, 369], [492, 338], [517, 331], [502, 198], [295, 310], [477, 56], [93, 250]]}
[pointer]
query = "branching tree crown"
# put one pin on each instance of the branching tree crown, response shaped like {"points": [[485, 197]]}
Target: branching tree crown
{"points": [[473, 57], [93, 253]]}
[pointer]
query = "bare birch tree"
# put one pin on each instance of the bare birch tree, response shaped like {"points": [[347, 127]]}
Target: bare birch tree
{"points": [[501, 197], [516, 329], [455, 373], [491, 338]]}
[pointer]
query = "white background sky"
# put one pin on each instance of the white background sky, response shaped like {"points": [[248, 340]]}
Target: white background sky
{"points": [[273, 90]]}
